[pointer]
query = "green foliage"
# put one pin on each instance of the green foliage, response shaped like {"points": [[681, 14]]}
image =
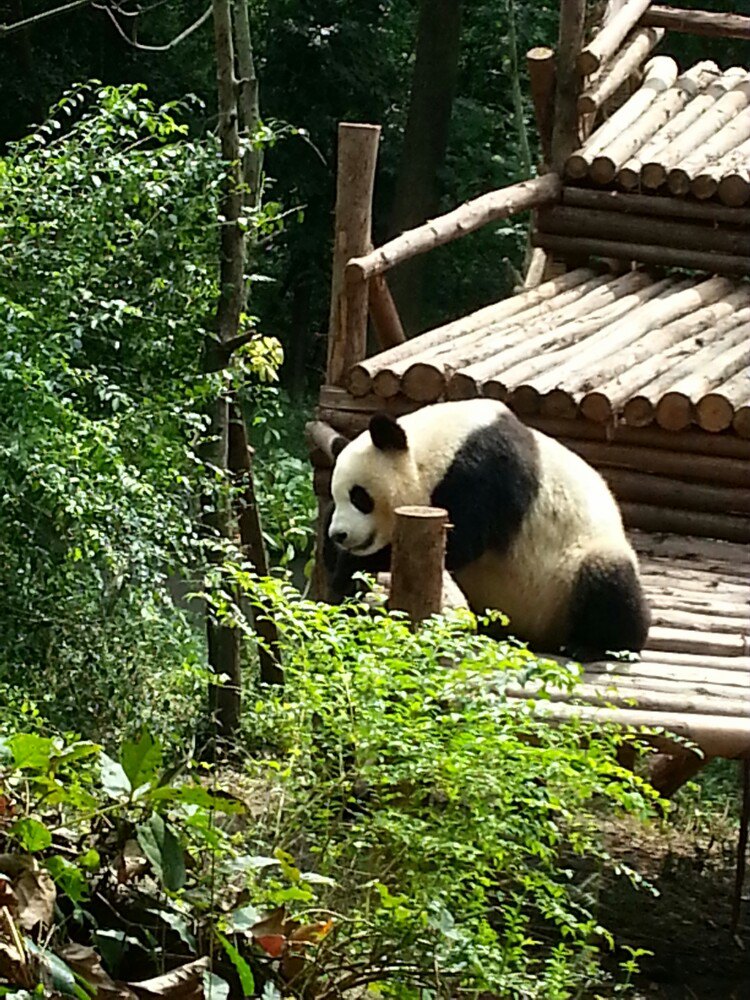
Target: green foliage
{"points": [[442, 820], [109, 282], [392, 818]]}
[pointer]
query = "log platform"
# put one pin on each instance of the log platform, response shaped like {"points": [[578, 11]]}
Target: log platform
{"points": [[693, 679], [629, 342]]}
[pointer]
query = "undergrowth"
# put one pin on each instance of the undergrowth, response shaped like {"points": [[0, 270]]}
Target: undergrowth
{"points": [[390, 818]]}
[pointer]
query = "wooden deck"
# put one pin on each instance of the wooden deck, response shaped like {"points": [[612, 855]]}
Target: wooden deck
{"points": [[586, 342], [693, 679]]}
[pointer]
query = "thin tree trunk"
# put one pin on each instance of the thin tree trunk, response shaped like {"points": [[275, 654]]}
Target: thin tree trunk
{"points": [[224, 639], [425, 139]]}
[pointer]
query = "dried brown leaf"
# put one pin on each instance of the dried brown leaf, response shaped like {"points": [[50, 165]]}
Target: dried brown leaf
{"points": [[182, 983], [8, 898], [86, 963], [16, 966], [36, 895]]}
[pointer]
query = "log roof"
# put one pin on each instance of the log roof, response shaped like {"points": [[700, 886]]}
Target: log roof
{"points": [[683, 133], [636, 348], [693, 679]]}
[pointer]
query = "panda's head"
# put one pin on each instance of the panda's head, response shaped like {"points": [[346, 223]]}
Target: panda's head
{"points": [[372, 476]]}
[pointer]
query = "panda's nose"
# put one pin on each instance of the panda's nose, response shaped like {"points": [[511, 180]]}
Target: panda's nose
{"points": [[339, 537]]}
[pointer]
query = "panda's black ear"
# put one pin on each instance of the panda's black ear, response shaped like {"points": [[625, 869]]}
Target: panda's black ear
{"points": [[386, 434], [337, 445]]}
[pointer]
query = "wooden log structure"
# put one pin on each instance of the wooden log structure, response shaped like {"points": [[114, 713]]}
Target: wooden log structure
{"points": [[612, 75], [659, 74], [657, 123], [347, 326], [711, 24], [466, 219], [734, 187], [734, 132], [707, 180], [608, 40], [418, 561]]}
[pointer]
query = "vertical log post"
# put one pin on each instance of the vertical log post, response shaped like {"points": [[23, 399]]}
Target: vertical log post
{"points": [[417, 561], [541, 67], [347, 326], [570, 42]]}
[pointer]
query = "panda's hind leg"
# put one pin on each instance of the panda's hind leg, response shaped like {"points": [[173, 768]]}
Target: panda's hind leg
{"points": [[608, 612]]}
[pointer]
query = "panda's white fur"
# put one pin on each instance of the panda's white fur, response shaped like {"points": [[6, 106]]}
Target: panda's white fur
{"points": [[564, 526]]}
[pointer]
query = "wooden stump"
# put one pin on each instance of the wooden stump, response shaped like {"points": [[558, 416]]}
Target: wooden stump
{"points": [[417, 561]]}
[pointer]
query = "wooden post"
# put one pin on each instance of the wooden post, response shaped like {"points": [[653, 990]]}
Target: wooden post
{"points": [[540, 65], [417, 561], [668, 772], [570, 41], [347, 327], [389, 330]]}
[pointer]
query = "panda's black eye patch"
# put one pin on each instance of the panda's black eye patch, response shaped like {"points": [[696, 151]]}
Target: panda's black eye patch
{"points": [[361, 499]]}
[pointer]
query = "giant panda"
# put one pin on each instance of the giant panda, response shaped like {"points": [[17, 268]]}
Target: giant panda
{"points": [[535, 531]]}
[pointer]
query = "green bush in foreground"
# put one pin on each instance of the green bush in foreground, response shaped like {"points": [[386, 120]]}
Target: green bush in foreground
{"points": [[403, 823]]}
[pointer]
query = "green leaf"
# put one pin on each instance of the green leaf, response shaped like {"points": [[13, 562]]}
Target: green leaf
{"points": [[114, 780], [247, 981], [31, 751], [33, 835], [179, 923], [68, 878], [163, 850], [141, 760]]}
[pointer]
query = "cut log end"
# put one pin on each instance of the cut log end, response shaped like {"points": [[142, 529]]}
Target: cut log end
{"points": [[587, 63], [734, 190], [741, 422], [495, 390], [386, 384], [628, 178], [360, 382], [462, 387], [653, 175], [638, 412], [560, 404], [576, 166], [526, 401], [603, 170], [423, 382], [597, 407], [714, 412], [674, 411]]}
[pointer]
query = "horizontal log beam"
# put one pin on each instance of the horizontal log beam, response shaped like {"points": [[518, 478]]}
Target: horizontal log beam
{"points": [[466, 219], [601, 224], [655, 205], [577, 248], [698, 22]]}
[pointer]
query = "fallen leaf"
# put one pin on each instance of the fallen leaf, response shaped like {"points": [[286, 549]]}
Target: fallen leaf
{"points": [[311, 933], [88, 965], [7, 896], [16, 966], [183, 983], [131, 862], [273, 923], [272, 944], [36, 895]]}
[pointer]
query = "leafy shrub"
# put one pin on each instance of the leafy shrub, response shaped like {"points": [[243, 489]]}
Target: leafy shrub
{"points": [[391, 818]]}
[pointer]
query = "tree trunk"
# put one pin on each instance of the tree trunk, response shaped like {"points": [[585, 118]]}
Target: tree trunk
{"points": [[425, 140]]}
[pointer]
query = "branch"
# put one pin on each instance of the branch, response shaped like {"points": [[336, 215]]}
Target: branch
{"points": [[156, 48], [11, 29]]}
